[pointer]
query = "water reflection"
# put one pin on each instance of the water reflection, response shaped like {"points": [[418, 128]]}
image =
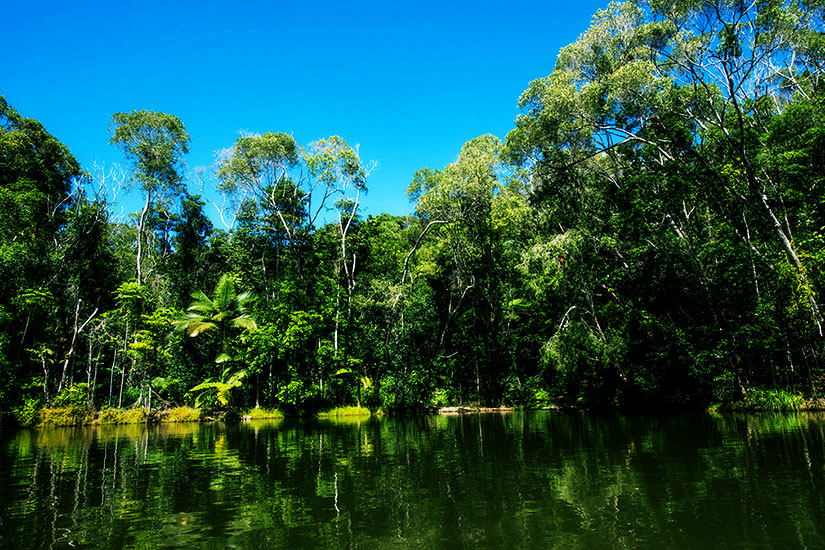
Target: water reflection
{"points": [[521, 480]]}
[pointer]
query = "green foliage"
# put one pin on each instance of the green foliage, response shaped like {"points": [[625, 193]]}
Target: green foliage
{"points": [[112, 415], [258, 162], [262, 413], [758, 399], [217, 392], [651, 233], [155, 143], [405, 392], [27, 413], [228, 311], [442, 398], [345, 411], [180, 414], [530, 394], [73, 397], [299, 397], [63, 416]]}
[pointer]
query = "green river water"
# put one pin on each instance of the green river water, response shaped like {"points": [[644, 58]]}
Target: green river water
{"points": [[544, 479]]}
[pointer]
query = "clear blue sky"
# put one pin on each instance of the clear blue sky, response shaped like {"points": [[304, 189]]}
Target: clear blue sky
{"points": [[409, 82]]}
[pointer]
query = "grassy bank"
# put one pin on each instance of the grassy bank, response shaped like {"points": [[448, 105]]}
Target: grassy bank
{"points": [[72, 416], [261, 413], [754, 400], [345, 411], [771, 400]]}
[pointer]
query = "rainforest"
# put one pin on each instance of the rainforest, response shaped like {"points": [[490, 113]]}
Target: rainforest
{"points": [[650, 234]]}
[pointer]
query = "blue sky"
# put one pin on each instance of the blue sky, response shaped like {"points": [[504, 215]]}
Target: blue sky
{"points": [[409, 82]]}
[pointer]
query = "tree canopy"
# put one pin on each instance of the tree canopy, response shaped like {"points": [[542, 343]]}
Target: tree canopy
{"points": [[650, 233]]}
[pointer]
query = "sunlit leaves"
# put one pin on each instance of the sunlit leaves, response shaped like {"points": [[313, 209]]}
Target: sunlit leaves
{"points": [[155, 143], [227, 309]]}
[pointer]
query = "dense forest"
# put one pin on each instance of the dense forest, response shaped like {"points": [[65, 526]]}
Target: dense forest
{"points": [[650, 233]]}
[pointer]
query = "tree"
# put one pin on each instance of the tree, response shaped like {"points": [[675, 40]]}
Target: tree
{"points": [[471, 210], [687, 81], [191, 265], [260, 167], [228, 310], [288, 179], [154, 143], [38, 175], [663, 107]]}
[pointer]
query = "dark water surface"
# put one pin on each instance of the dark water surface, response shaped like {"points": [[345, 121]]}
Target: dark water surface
{"points": [[520, 480]]}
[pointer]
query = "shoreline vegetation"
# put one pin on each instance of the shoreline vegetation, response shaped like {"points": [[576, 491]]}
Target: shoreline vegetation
{"points": [[758, 401], [650, 235]]}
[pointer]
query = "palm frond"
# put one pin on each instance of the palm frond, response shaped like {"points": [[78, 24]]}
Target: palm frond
{"points": [[203, 309], [224, 292], [226, 309], [200, 297], [245, 322], [196, 327]]}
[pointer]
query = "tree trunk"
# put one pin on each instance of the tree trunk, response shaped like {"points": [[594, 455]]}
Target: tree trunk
{"points": [[141, 223], [800, 268], [75, 332]]}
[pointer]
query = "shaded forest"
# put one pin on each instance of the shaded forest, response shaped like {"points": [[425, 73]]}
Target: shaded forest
{"points": [[651, 233]]}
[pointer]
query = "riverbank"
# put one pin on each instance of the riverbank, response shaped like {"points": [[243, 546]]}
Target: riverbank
{"points": [[756, 401], [68, 416]]}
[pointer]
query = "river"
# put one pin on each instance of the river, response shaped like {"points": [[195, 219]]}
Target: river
{"points": [[544, 479]]}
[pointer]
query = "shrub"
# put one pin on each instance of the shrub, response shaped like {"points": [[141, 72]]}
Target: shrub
{"points": [[299, 397], [441, 398], [70, 408], [405, 392], [26, 414], [134, 416], [109, 415], [530, 394], [73, 397]]}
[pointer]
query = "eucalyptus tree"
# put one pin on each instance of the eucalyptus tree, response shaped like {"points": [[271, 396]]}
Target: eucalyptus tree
{"points": [[472, 211], [460, 198], [667, 104], [292, 187], [260, 167], [338, 165], [295, 182], [155, 144]]}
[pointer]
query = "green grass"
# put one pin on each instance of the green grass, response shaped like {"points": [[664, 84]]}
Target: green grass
{"points": [[112, 415], [758, 399], [261, 412], [345, 411], [772, 400], [63, 416], [180, 414]]}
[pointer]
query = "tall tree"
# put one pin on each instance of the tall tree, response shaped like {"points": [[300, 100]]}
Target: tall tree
{"points": [[661, 108], [190, 266], [155, 144], [37, 299], [469, 207]]}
